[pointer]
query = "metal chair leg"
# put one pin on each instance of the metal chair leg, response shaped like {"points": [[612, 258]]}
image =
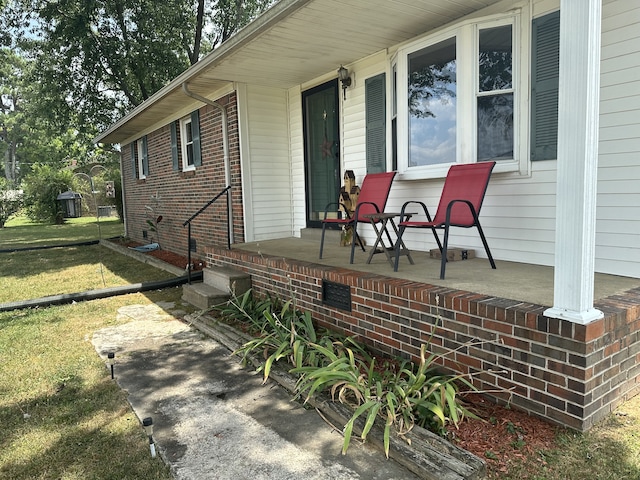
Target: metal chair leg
{"points": [[322, 240]]}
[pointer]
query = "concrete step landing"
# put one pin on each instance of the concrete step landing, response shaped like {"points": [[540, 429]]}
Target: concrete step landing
{"points": [[218, 285]]}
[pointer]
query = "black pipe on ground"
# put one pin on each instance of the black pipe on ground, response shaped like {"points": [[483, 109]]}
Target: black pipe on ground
{"points": [[46, 247], [99, 293]]}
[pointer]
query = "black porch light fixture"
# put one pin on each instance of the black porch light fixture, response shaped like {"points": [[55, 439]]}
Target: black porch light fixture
{"points": [[345, 80]]}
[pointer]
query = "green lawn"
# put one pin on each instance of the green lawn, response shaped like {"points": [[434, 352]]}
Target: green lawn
{"points": [[43, 272], [39, 273], [61, 415], [21, 232]]}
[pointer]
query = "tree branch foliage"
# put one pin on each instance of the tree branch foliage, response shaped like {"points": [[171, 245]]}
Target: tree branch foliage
{"points": [[70, 68], [100, 58]]}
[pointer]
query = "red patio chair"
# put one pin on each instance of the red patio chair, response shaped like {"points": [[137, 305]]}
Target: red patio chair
{"points": [[459, 206], [372, 199]]}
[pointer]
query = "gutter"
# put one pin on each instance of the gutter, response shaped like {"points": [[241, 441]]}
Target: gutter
{"points": [[225, 146]]}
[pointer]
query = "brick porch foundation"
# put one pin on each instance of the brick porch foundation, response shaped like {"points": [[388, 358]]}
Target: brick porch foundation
{"points": [[568, 373]]}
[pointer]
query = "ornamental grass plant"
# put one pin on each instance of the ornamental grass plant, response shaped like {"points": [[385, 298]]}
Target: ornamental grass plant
{"points": [[398, 393]]}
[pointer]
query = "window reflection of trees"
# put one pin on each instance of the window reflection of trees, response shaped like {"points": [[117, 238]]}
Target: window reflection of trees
{"points": [[495, 127], [495, 71], [430, 82], [495, 103]]}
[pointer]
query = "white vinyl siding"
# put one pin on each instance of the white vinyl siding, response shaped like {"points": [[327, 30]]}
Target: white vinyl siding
{"points": [[618, 205], [519, 211], [267, 141]]}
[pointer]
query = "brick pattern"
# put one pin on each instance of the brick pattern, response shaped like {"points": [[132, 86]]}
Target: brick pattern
{"points": [[568, 373], [182, 194]]}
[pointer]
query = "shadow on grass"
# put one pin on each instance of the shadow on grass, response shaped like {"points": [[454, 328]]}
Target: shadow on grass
{"points": [[66, 432], [27, 318]]}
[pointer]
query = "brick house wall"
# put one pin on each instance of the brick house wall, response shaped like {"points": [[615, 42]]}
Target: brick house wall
{"points": [[568, 373], [181, 194]]}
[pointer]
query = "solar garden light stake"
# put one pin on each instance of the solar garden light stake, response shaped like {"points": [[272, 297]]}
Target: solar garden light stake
{"points": [[147, 423], [111, 359]]}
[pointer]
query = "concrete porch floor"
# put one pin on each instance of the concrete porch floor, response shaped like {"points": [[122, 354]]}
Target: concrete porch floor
{"points": [[510, 280]]}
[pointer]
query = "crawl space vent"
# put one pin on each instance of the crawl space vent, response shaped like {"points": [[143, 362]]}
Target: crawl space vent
{"points": [[336, 295]]}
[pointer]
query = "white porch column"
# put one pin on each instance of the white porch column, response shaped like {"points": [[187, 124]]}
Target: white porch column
{"points": [[577, 161]]}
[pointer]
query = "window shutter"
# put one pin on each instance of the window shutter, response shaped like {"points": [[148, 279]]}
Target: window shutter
{"points": [[375, 104], [545, 67], [134, 163], [195, 132], [145, 157], [174, 146]]}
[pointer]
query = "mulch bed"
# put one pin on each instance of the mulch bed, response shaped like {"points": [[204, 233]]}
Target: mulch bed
{"points": [[505, 437], [171, 258]]}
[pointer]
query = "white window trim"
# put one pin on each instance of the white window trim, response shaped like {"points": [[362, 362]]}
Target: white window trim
{"points": [[184, 121], [467, 45], [140, 159]]}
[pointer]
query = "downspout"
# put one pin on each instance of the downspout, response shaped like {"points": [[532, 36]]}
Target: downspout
{"points": [[124, 201], [225, 146]]}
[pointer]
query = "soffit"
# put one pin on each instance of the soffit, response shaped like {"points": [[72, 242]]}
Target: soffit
{"points": [[291, 44]]}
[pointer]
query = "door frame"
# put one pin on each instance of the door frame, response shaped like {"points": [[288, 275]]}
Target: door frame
{"points": [[335, 148]]}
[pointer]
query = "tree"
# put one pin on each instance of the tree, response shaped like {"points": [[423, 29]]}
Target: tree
{"points": [[72, 67], [98, 59], [12, 67]]}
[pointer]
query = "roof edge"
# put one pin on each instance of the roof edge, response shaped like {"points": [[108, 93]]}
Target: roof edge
{"points": [[263, 23]]}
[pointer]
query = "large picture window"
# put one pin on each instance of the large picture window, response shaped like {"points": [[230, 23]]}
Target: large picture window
{"points": [[432, 104], [458, 98]]}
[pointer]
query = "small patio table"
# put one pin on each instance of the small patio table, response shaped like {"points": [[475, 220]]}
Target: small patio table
{"points": [[381, 223]]}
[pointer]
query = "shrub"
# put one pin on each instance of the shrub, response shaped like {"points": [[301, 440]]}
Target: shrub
{"points": [[41, 188], [10, 201]]}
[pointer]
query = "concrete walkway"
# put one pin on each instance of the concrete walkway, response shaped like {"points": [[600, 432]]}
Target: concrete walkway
{"points": [[214, 419]]}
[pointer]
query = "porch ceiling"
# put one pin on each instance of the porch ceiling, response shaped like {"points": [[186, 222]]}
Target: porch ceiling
{"points": [[293, 43]]}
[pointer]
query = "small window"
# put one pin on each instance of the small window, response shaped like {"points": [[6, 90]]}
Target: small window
{"points": [[495, 94], [190, 141], [186, 134], [140, 158], [143, 158]]}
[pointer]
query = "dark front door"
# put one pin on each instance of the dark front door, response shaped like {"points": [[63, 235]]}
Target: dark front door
{"points": [[321, 149]]}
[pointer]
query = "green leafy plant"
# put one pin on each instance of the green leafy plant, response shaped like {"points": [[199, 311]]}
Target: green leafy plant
{"points": [[401, 394], [10, 201], [490, 455], [282, 333]]}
